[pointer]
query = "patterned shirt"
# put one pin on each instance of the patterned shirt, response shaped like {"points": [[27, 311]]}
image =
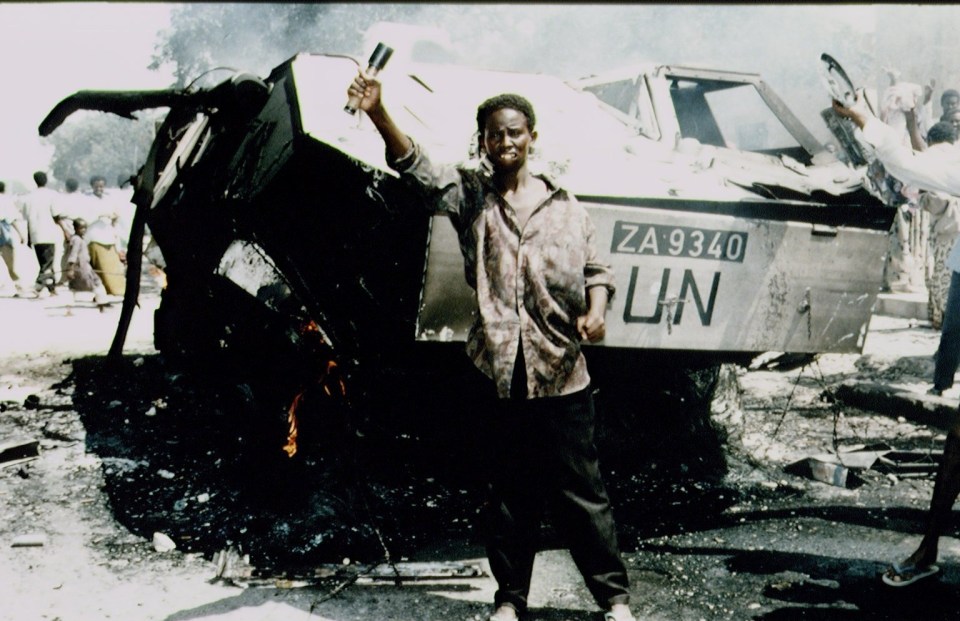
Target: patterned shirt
{"points": [[530, 283]]}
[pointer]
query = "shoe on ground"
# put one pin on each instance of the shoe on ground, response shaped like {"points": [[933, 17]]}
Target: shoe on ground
{"points": [[623, 610], [500, 616], [937, 392], [904, 575]]}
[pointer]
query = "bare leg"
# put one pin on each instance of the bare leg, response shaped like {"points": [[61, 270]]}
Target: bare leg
{"points": [[945, 492]]}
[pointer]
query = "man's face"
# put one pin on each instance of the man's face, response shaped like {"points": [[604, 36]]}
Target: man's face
{"points": [[950, 103], [507, 139], [98, 186], [953, 118]]}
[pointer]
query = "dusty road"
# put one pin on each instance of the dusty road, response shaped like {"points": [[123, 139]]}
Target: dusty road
{"points": [[759, 544]]}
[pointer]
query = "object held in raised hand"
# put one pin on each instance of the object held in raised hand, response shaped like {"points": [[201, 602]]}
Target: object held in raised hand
{"points": [[836, 80], [378, 60]]}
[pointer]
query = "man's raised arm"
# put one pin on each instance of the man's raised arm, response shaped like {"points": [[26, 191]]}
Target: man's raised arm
{"points": [[927, 170], [368, 89]]}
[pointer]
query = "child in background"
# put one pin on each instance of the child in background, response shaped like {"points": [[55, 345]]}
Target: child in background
{"points": [[80, 273]]}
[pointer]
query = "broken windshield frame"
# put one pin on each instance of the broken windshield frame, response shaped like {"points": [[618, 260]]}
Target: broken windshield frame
{"points": [[731, 115]]}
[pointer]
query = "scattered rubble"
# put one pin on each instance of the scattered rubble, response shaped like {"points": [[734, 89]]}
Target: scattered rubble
{"points": [[16, 451], [163, 543], [29, 541], [754, 543]]}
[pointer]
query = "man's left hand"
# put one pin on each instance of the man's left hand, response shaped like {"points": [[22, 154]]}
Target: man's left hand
{"points": [[591, 327]]}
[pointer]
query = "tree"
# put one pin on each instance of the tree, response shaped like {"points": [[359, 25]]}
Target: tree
{"points": [[257, 37], [202, 37], [96, 143]]}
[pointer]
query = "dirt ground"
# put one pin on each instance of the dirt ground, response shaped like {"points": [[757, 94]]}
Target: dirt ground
{"points": [[134, 448]]}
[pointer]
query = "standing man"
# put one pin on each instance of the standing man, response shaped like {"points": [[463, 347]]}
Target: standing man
{"points": [[931, 170], [949, 101], [121, 201], [11, 235], [41, 212], [944, 214], [103, 240], [529, 254]]}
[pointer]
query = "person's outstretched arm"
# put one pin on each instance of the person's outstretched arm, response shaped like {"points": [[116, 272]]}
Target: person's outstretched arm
{"points": [[939, 172]]}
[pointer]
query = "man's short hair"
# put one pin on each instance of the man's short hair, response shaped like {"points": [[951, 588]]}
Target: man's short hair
{"points": [[948, 93], [501, 102], [96, 178], [942, 131], [72, 184], [40, 178]]}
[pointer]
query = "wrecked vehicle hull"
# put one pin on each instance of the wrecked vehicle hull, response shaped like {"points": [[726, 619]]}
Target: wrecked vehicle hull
{"points": [[299, 263], [709, 276], [740, 274]]}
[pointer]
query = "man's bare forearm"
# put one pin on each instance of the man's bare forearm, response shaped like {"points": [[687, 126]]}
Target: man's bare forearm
{"points": [[597, 298], [913, 128], [397, 142]]}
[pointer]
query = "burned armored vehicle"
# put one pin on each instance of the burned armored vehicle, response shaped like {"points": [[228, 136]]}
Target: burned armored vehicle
{"points": [[298, 263]]}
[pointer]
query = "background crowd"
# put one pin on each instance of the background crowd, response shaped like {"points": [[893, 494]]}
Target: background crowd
{"points": [[66, 241]]}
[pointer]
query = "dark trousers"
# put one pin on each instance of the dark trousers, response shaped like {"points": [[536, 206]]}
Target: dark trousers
{"points": [[45, 277], [543, 452], [948, 352]]}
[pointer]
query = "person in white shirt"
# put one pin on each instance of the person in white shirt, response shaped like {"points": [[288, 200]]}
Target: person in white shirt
{"points": [[944, 218], [935, 169], [928, 170], [121, 200], [103, 241], [41, 212]]}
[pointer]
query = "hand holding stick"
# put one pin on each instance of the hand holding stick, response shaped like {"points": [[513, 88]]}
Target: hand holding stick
{"points": [[377, 62]]}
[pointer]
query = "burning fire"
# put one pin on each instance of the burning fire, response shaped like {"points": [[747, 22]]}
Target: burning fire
{"points": [[329, 380], [290, 448]]}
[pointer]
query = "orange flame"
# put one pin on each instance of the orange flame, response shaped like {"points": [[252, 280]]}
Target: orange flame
{"points": [[290, 448], [327, 377], [331, 367]]}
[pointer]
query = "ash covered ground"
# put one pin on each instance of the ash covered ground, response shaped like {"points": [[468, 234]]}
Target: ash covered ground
{"points": [[711, 524]]}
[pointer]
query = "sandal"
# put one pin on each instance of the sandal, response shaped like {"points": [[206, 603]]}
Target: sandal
{"points": [[902, 575], [498, 617]]}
